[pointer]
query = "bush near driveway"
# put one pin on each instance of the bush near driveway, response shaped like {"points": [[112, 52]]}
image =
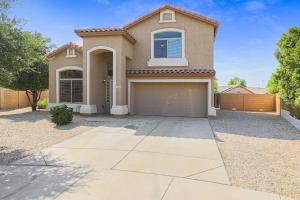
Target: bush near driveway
{"points": [[61, 114]]}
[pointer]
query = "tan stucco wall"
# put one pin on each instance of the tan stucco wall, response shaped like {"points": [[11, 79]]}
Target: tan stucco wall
{"points": [[199, 41], [57, 62]]}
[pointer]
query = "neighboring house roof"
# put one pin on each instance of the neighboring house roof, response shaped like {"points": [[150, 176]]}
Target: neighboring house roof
{"points": [[194, 15], [104, 32], [257, 90], [63, 48], [253, 90], [223, 88]]}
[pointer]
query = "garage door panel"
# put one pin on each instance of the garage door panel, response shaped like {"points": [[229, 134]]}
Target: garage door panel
{"points": [[170, 99]]}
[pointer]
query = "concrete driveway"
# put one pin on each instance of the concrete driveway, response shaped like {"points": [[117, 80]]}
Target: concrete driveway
{"points": [[133, 158]]}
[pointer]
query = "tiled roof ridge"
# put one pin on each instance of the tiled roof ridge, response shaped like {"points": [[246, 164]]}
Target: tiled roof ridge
{"points": [[170, 71]]}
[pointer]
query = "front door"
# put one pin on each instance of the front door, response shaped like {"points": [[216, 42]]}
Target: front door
{"points": [[108, 97]]}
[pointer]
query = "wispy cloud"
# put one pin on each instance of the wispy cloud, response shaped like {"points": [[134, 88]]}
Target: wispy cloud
{"points": [[255, 5]]}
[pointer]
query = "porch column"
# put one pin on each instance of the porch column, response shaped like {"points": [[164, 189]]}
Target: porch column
{"points": [[86, 107], [119, 85]]}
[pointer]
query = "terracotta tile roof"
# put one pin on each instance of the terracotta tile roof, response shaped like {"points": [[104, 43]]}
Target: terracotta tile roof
{"points": [[104, 32], [171, 71], [194, 15], [63, 48]]}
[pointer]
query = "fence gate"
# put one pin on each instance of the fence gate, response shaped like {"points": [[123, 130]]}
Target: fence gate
{"points": [[249, 102]]}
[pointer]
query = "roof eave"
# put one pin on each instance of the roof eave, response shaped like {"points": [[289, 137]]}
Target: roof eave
{"points": [[89, 33]]}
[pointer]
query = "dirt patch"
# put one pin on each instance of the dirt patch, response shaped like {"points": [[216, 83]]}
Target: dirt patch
{"points": [[23, 132], [261, 151]]}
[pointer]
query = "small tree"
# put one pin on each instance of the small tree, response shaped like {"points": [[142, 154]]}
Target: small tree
{"points": [[33, 80], [286, 79], [237, 81], [23, 65]]}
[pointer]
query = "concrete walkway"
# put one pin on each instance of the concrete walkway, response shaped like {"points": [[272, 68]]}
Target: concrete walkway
{"points": [[133, 158]]}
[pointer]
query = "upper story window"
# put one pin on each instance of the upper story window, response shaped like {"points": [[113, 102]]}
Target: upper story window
{"points": [[168, 45], [168, 48], [71, 53], [167, 16]]}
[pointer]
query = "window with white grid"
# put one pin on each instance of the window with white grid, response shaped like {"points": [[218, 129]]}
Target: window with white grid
{"points": [[70, 86]]}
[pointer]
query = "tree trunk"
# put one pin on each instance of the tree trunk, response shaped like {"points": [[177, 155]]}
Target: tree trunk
{"points": [[34, 100], [36, 95]]}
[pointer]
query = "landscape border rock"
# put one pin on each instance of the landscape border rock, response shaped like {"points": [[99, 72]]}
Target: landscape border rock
{"points": [[286, 115]]}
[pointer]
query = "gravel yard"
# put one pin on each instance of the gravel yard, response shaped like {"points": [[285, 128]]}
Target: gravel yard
{"points": [[261, 151], [23, 132]]}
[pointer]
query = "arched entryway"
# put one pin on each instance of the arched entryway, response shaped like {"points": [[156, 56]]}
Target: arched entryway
{"points": [[101, 79]]}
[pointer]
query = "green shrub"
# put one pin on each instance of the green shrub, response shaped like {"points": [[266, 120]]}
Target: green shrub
{"points": [[61, 114], [42, 104], [296, 111]]}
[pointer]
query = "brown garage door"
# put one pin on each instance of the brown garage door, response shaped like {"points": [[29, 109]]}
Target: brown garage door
{"points": [[169, 99]]}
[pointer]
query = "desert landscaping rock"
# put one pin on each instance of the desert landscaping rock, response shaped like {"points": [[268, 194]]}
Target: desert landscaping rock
{"points": [[261, 151], [23, 132]]}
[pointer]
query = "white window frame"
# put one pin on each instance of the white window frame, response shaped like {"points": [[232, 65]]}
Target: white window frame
{"points": [[66, 68], [71, 53], [154, 62], [161, 16]]}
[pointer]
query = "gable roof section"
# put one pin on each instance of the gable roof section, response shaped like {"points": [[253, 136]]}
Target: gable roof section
{"points": [[257, 90], [105, 32], [63, 48], [194, 15]]}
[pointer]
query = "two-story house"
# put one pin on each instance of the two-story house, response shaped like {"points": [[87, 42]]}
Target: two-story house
{"points": [[159, 64]]}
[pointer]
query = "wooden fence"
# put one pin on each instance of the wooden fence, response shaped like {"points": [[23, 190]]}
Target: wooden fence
{"points": [[10, 99], [249, 102]]}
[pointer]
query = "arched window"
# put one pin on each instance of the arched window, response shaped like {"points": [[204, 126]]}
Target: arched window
{"points": [[70, 86], [168, 45], [168, 48]]}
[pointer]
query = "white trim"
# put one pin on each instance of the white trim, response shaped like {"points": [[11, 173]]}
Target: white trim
{"points": [[210, 110], [119, 110], [57, 77], [161, 16], [114, 71], [168, 61], [73, 55]]}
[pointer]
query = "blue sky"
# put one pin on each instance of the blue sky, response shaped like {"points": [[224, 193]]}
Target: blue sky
{"points": [[244, 45]]}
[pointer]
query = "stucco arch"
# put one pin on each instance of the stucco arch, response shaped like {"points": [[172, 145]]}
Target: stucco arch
{"points": [[114, 52]]}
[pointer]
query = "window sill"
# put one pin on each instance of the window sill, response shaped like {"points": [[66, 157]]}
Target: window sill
{"points": [[166, 21], [156, 62], [71, 56]]}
